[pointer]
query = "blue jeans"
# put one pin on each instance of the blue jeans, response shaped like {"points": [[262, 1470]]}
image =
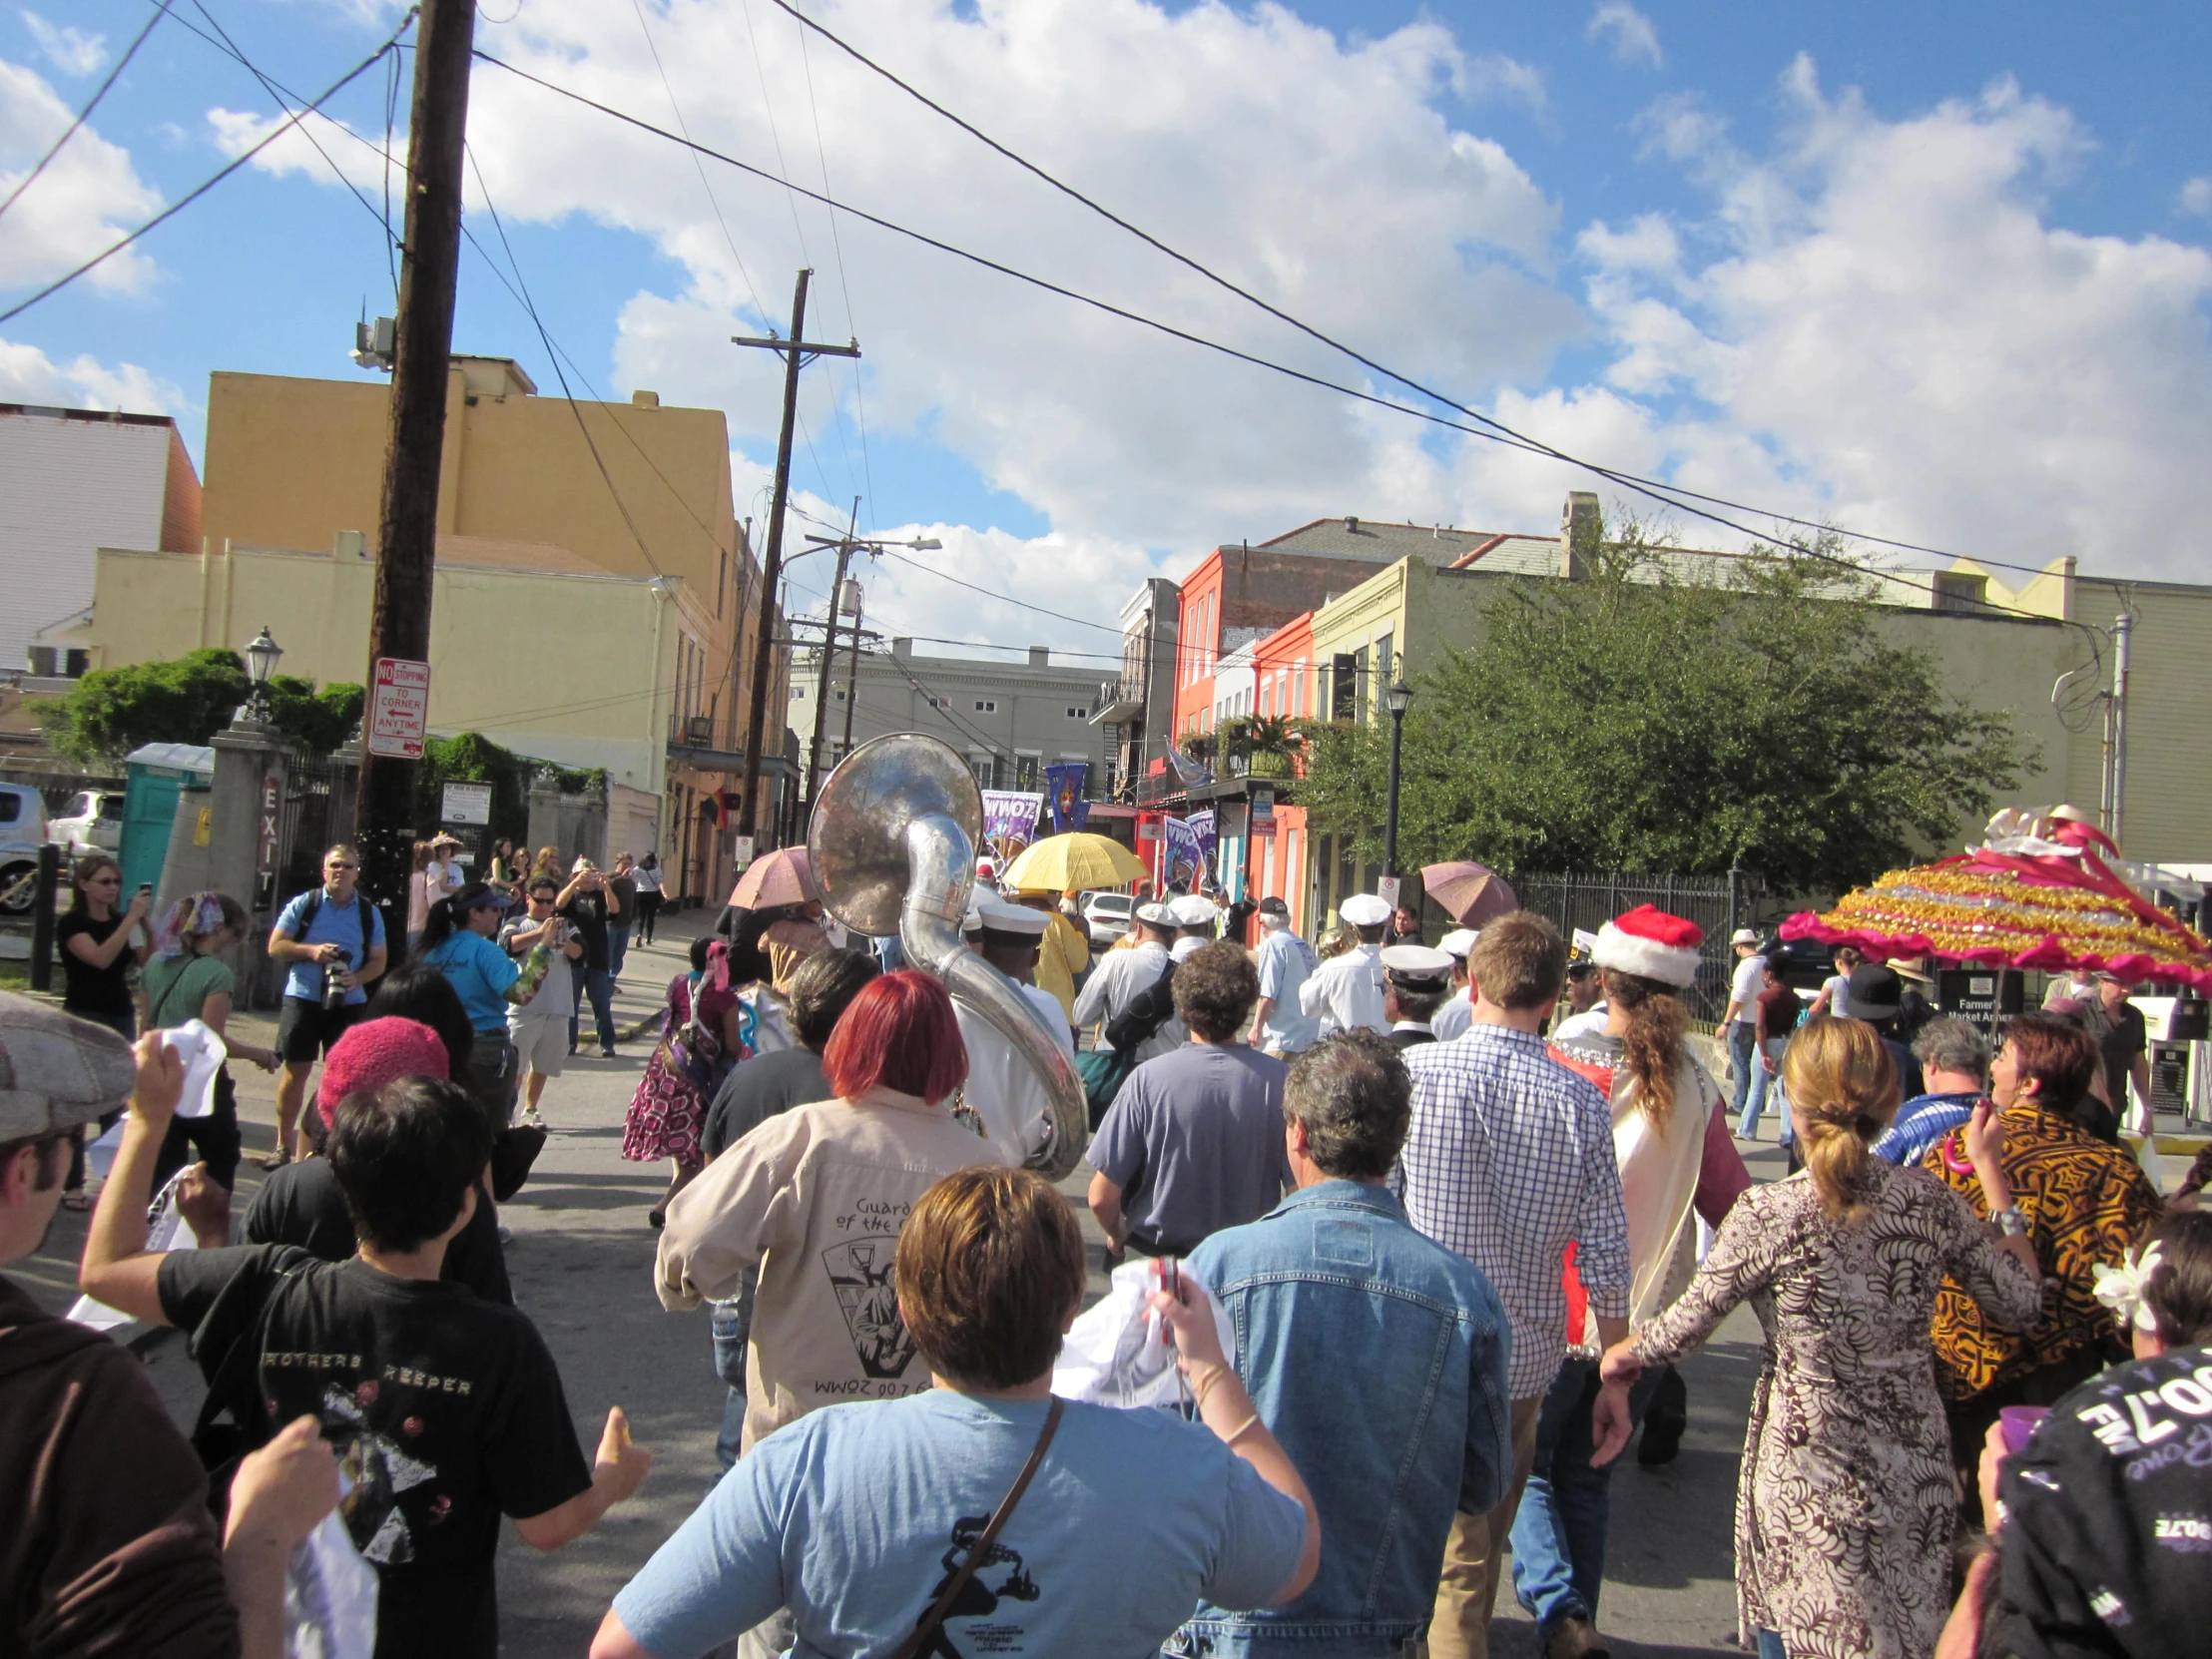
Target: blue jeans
{"points": [[601, 986], [1567, 1506], [1751, 1076], [1770, 1646], [618, 947], [733, 1331]]}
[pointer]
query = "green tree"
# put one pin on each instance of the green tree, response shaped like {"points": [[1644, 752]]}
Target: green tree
{"points": [[1645, 719], [473, 758], [189, 699]]}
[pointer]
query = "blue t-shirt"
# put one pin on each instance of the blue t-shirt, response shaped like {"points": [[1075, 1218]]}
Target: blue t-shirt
{"points": [[333, 923], [856, 1515], [479, 972], [1286, 960]]}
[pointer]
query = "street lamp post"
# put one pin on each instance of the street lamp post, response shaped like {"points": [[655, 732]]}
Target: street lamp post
{"points": [[1396, 699], [260, 663]]}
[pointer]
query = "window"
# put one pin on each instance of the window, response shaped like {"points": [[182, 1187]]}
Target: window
{"points": [[986, 705], [1075, 714], [798, 693], [1385, 656], [1026, 769], [838, 694], [1955, 591]]}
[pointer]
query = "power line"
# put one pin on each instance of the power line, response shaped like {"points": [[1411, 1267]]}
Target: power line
{"points": [[93, 102], [1513, 440], [1626, 479], [213, 179]]}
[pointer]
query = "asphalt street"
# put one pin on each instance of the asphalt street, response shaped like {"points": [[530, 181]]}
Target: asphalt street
{"points": [[580, 1261]]}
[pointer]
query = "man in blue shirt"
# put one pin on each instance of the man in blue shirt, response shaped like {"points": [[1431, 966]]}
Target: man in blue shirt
{"points": [[1279, 1025], [331, 939], [1334, 1283], [1955, 1067]]}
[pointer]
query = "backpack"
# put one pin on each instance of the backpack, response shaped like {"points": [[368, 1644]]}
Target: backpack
{"points": [[363, 906], [1104, 1070]]}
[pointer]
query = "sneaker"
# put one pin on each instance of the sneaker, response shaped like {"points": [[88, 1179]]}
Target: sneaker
{"points": [[606, 1054]]}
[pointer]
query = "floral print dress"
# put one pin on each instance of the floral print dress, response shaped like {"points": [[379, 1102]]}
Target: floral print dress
{"points": [[1845, 1506]]}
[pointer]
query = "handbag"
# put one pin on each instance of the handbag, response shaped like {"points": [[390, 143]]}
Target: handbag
{"points": [[980, 1550], [1103, 1071]]}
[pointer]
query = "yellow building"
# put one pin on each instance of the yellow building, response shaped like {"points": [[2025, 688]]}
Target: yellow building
{"points": [[1402, 622], [596, 601]]}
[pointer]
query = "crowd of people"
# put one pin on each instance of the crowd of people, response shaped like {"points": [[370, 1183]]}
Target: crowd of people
{"points": [[1463, 1208]]}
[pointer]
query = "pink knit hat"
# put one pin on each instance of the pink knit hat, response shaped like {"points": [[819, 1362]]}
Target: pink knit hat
{"points": [[373, 1053]]}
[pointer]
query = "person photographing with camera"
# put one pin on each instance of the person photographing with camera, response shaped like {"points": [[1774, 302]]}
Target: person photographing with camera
{"points": [[332, 941]]}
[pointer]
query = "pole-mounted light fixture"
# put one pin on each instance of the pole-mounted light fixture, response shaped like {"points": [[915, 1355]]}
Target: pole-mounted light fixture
{"points": [[1399, 697]]}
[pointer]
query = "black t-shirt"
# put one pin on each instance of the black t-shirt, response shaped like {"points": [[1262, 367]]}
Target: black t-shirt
{"points": [[446, 1409], [301, 1205], [626, 897], [756, 1090], [88, 989], [589, 911], [2126, 1039]]}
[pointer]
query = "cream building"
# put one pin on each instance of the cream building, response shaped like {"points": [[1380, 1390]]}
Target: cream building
{"points": [[1403, 620], [596, 600]]}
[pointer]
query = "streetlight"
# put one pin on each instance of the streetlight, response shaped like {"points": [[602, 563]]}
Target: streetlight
{"points": [[260, 663], [845, 546], [1395, 699]]}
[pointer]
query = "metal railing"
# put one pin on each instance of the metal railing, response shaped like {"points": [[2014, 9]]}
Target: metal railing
{"points": [[1718, 903]]}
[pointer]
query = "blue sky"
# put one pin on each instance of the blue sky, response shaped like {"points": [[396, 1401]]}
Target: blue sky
{"points": [[1934, 272]]}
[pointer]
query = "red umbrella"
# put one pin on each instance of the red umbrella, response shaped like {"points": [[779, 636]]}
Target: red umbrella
{"points": [[1472, 893], [776, 878]]}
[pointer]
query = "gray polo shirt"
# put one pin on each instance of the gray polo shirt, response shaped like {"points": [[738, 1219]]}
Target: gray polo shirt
{"points": [[1194, 1140]]}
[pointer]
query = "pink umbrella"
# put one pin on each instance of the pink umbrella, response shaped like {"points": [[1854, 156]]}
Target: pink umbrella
{"points": [[776, 878], [1472, 893]]}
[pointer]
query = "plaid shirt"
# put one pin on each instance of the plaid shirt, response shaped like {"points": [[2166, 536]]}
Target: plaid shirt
{"points": [[1510, 1160]]}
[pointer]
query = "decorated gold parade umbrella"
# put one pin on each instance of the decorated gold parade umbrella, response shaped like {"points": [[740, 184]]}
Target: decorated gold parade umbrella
{"points": [[2042, 891]]}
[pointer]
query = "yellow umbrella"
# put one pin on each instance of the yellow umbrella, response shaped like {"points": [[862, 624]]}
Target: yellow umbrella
{"points": [[1061, 864]]}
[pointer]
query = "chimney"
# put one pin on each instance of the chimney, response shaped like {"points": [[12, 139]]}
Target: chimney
{"points": [[1351, 525], [1040, 656], [645, 399], [903, 647], [1581, 525]]}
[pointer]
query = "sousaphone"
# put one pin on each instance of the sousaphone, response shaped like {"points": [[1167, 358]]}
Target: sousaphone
{"points": [[892, 848]]}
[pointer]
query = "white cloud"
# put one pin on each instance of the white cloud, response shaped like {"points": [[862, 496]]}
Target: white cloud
{"points": [[28, 375], [1633, 37], [1878, 326], [71, 51], [2195, 196], [85, 199], [1508, 80], [360, 159], [1252, 139]]}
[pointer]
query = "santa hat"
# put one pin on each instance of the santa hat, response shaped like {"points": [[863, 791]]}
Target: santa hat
{"points": [[1651, 944]]}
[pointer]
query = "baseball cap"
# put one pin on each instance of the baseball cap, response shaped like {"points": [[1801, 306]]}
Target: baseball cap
{"points": [[1273, 907]]}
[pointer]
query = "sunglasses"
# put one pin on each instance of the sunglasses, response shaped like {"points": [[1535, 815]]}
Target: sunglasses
{"points": [[342, 866]]}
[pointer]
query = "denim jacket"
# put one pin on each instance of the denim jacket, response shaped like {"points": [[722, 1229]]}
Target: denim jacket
{"points": [[1378, 1360]]}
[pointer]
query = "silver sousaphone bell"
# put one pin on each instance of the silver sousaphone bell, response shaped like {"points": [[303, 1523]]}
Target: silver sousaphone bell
{"points": [[892, 848]]}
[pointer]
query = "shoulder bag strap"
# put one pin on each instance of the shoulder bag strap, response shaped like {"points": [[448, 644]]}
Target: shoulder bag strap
{"points": [[983, 1546]]}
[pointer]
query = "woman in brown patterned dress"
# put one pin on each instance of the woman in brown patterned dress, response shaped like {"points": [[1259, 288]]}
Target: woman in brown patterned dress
{"points": [[1845, 1506]]}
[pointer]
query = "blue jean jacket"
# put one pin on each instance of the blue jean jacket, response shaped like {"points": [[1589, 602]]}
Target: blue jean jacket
{"points": [[1377, 1358]]}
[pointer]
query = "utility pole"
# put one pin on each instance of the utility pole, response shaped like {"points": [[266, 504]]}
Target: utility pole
{"points": [[794, 353], [846, 549], [829, 651], [406, 541], [2123, 632]]}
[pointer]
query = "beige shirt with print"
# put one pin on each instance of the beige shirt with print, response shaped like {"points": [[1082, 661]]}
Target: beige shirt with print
{"points": [[816, 1196]]}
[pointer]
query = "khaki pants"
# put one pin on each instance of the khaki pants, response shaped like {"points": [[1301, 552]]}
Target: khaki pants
{"points": [[1475, 1558]]}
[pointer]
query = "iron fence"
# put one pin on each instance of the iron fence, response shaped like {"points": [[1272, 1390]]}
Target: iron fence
{"points": [[1718, 903]]}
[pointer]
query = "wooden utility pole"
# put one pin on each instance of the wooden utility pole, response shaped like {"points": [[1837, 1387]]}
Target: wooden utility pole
{"points": [[829, 651], [406, 541], [794, 353]]}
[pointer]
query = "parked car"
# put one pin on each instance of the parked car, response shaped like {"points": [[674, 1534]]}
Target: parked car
{"points": [[91, 821], [22, 821], [1805, 964], [1106, 916]]}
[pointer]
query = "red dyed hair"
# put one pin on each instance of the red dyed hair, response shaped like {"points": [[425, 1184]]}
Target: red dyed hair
{"points": [[900, 1033], [2058, 1054]]}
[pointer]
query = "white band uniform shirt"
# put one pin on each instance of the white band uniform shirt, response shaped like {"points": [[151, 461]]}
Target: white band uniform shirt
{"points": [[1347, 992]]}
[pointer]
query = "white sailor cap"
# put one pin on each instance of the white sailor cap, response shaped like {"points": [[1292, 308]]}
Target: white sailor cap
{"points": [[1181, 948], [1194, 910], [1364, 910], [1458, 943], [1002, 917], [1417, 967], [1156, 914]]}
